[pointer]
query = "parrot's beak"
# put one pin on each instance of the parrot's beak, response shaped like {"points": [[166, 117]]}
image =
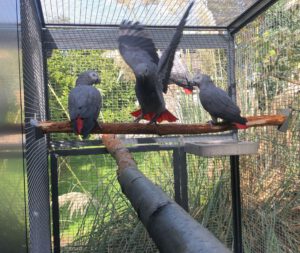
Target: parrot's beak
{"points": [[97, 81]]}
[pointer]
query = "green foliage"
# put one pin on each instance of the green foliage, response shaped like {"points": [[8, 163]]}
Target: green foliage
{"points": [[277, 51]]}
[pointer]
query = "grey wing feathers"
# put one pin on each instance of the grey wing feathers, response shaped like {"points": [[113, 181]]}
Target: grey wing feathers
{"points": [[218, 104], [135, 45], [166, 61], [85, 101]]}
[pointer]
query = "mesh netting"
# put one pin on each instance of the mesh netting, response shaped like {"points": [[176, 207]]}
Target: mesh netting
{"points": [[152, 12], [267, 73], [95, 216], [36, 149], [117, 84], [210, 195]]}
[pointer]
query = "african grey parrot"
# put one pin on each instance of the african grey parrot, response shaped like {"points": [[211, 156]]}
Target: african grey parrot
{"points": [[151, 72], [217, 102], [84, 103], [180, 74]]}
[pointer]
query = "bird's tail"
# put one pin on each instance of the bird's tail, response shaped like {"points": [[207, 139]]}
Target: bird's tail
{"points": [[83, 126], [79, 125], [242, 124], [188, 91], [165, 115]]}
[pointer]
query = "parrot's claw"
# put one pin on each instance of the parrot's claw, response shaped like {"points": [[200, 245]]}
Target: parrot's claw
{"points": [[137, 120], [211, 123], [99, 125], [152, 122]]}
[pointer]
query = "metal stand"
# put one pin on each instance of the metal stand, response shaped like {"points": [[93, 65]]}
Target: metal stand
{"points": [[55, 205], [180, 178], [236, 203]]}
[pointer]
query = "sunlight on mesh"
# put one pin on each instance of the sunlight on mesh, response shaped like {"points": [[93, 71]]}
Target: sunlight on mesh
{"points": [[149, 12], [268, 70]]}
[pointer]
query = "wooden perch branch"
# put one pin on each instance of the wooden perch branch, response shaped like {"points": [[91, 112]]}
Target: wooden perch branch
{"points": [[170, 227], [162, 129]]}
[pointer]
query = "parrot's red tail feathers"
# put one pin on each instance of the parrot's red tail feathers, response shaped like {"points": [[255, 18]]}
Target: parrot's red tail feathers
{"points": [[167, 116], [79, 125], [147, 116], [188, 91], [136, 113], [240, 126]]}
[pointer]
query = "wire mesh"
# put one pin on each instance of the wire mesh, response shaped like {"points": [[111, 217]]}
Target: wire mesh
{"points": [[117, 85], [13, 200], [36, 150], [94, 214], [152, 12], [210, 195], [267, 71]]}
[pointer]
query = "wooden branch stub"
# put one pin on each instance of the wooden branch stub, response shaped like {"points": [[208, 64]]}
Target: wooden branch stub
{"points": [[117, 149], [163, 129]]}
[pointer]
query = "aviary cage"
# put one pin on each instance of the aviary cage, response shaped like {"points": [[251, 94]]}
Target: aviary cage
{"points": [[250, 48]]}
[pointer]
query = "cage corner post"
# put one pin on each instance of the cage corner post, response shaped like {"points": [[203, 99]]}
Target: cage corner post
{"points": [[180, 177], [55, 203], [36, 154], [234, 159]]}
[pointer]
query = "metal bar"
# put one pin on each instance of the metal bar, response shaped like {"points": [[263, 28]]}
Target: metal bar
{"points": [[176, 169], [46, 89], [102, 150], [55, 204], [250, 14], [40, 13], [209, 28], [106, 38], [236, 204], [45, 73], [231, 75], [184, 180], [180, 177], [146, 140], [231, 69]]}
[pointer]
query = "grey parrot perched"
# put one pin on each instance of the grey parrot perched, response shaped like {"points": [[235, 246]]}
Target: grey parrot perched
{"points": [[84, 103], [217, 102], [151, 72]]}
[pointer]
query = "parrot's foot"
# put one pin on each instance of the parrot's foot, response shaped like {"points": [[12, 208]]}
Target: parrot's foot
{"points": [[211, 123], [99, 125], [152, 122], [139, 118], [154, 119]]}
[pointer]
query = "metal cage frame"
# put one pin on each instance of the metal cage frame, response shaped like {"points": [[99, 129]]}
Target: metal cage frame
{"points": [[50, 34]]}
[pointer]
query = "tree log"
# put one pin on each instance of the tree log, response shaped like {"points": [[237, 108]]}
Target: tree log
{"points": [[162, 129], [170, 227]]}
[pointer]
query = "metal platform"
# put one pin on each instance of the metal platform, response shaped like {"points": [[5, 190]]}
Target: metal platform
{"points": [[222, 148]]}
